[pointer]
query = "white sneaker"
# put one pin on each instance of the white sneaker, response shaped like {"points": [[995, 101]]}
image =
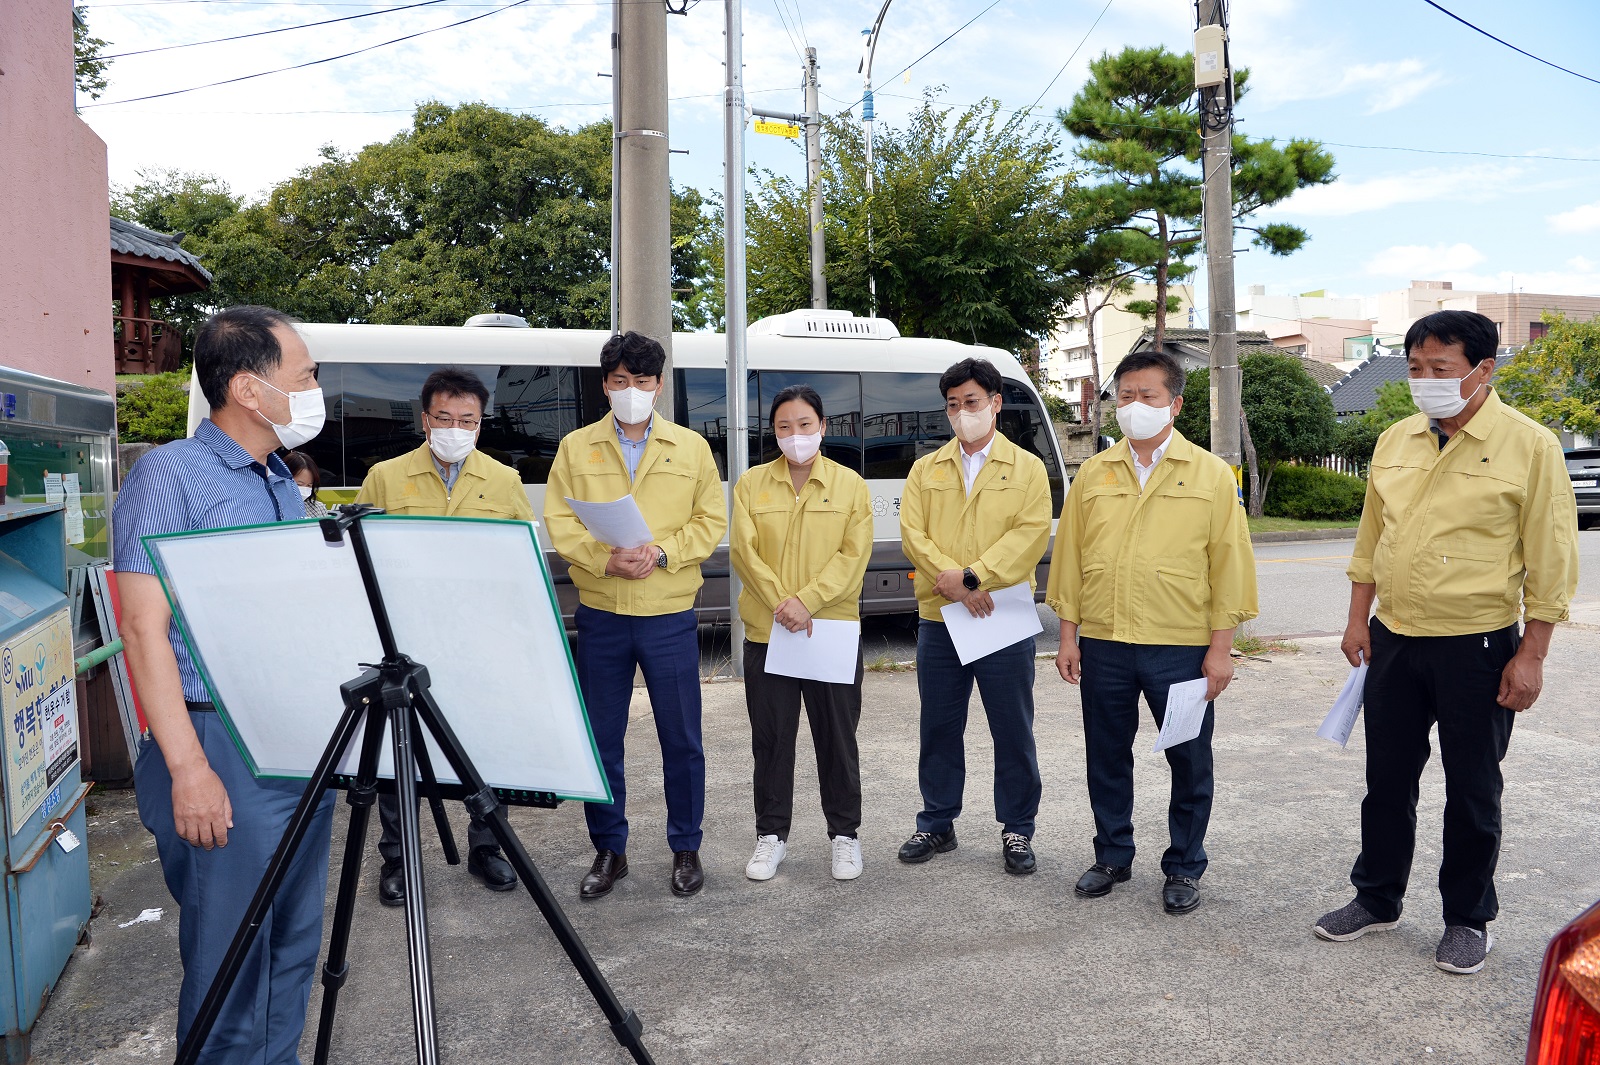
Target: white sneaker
{"points": [[846, 858], [764, 862]]}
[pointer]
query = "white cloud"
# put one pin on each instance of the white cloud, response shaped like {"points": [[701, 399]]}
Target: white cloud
{"points": [[1584, 219], [1471, 183], [1581, 277], [1420, 260]]}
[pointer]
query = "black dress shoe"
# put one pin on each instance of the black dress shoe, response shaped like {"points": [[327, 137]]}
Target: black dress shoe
{"points": [[391, 885], [687, 876], [487, 864], [924, 845], [608, 868], [1018, 850], [1181, 894], [1100, 879]]}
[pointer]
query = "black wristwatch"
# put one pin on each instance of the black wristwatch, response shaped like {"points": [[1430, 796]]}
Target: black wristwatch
{"points": [[661, 558], [969, 579]]}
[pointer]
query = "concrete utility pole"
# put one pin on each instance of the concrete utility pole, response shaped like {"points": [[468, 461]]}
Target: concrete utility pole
{"points": [[642, 270], [819, 285], [733, 272], [1214, 82]]}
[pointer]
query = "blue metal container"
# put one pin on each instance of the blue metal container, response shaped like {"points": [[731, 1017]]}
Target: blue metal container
{"points": [[47, 863]]}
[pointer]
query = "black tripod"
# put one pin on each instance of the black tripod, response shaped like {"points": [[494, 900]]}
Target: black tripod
{"points": [[395, 693]]}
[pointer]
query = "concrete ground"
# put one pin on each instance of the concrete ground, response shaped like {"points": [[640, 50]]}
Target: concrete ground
{"points": [[952, 960]]}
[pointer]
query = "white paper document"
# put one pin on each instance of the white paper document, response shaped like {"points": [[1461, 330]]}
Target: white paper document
{"points": [[1186, 712], [829, 654], [1015, 618], [1341, 720], [54, 492], [616, 524]]}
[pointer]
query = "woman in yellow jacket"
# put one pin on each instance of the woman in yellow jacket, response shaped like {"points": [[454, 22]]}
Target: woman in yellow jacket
{"points": [[800, 540]]}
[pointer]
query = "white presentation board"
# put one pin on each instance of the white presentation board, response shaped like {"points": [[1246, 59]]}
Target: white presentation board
{"points": [[276, 619]]}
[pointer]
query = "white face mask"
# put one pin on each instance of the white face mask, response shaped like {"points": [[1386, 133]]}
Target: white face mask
{"points": [[305, 491], [800, 448], [970, 426], [452, 445], [631, 405], [1440, 397], [1141, 421], [306, 415]]}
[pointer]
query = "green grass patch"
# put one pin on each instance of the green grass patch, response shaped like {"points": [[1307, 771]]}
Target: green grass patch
{"points": [[1247, 643], [885, 664], [1299, 525]]}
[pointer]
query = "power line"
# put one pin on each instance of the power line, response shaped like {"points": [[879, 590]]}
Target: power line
{"points": [[1074, 54], [926, 54], [786, 31], [1508, 44], [800, 17], [280, 29], [410, 110], [308, 63]]}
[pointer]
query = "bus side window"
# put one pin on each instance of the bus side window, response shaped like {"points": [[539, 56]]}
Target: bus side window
{"points": [[902, 419], [534, 407], [841, 406], [700, 402], [1027, 426]]}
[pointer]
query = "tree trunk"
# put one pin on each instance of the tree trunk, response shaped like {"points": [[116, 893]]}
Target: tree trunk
{"points": [[1161, 283], [1257, 489], [1092, 416]]}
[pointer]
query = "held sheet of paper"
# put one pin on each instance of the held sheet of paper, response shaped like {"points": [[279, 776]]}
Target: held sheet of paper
{"points": [[1015, 618], [1341, 720], [829, 654], [615, 524], [1186, 712]]}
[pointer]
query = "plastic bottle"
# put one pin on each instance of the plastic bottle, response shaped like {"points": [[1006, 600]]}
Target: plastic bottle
{"points": [[5, 463]]}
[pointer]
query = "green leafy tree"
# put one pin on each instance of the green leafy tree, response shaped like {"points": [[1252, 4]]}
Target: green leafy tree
{"points": [[471, 210], [1136, 120], [1355, 438], [1555, 380], [88, 69], [1288, 417], [153, 411], [971, 218]]}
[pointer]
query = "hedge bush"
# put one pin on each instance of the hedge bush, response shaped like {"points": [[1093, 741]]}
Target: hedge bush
{"points": [[1311, 493]]}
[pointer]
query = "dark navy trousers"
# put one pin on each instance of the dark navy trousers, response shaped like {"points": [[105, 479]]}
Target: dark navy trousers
{"points": [[264, 1014], [1005, 681], [666, 648], [1114, 676]]}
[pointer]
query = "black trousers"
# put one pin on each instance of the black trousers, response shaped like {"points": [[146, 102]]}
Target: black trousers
{"points": [[478, 835], [834, 711], [1413, 682]]}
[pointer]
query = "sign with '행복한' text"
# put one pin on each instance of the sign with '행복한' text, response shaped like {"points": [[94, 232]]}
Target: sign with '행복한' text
{"points": [[38, 702]]}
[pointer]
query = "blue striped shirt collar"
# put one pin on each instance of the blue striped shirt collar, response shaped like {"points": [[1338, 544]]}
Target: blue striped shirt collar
{"points": [[233, 453]]}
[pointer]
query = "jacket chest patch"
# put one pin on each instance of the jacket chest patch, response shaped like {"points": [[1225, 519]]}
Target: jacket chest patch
{"points": [[941, 474], [1110, 477], [596, 456], [764, 497], [409, 489]]}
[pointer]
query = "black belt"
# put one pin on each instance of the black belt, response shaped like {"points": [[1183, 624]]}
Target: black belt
{"points": [[200, 708]]}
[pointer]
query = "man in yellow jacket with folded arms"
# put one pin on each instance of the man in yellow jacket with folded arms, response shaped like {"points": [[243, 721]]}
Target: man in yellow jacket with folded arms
{"points": [[636, 605], [1152, 573]]}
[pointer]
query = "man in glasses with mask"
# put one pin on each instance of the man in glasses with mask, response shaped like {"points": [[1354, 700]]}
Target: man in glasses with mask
{"points": [[1152, 573], [1469, 526], [636, 605], [215, 823], [974, 518], [448, 477]]}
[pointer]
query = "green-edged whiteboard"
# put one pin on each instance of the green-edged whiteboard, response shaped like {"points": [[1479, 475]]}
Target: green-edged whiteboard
{"points": [[276, 619]]}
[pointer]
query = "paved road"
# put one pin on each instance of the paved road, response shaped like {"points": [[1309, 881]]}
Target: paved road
{"points": [[1303, 592]]}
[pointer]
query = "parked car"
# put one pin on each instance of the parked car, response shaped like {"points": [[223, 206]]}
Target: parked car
{"points": [[1583, 466], [1566, 1011]]}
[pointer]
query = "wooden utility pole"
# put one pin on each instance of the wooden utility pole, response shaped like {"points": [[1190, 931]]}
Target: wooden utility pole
{"points": [[643, 265], [1214, 82]]}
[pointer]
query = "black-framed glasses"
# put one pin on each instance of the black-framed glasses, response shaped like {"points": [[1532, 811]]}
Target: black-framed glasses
{"points": [[447, 421]]}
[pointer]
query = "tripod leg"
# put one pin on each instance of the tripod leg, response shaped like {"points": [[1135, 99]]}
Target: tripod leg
{"points": [[271, 880], [430, 788], [483, 804], [397, 699], [360, 798]]}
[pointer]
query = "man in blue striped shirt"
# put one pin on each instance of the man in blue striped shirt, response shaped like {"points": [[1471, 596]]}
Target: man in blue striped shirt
{"points": [[215, 824]]}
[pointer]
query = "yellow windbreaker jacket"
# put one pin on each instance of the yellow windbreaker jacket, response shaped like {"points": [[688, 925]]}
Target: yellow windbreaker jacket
{"points": [[678, 490], [1164, 566], [814, 546], [1463, 540], [1001, 530], [410, 484]]}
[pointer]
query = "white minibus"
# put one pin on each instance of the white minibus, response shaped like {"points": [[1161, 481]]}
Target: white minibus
{"points": [[880, 392]]}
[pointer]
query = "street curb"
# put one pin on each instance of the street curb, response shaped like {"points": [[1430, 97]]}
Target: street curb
{"points": [[1306, 536]]}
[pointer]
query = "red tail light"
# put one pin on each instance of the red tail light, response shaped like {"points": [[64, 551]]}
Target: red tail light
{"points": [[1566, 1014]]}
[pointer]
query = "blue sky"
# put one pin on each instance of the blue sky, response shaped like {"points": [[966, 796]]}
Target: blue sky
{"points": [[1397, 76]]}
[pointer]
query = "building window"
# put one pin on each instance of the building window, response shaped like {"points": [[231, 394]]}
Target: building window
{"points": [[1537, 330]]}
